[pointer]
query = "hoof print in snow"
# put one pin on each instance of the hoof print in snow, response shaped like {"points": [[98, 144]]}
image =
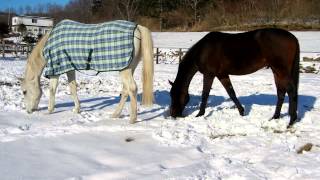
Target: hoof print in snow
{"points": [[129, 139], [25, 127], [306, 147]]}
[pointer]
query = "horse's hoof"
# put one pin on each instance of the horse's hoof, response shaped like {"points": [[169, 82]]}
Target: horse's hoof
{"points": [[241, 111], [50, 111], [115, 115], [291, 123], [276, 116], [290, 126], [76, 110], [200, 114], [133, 121]]}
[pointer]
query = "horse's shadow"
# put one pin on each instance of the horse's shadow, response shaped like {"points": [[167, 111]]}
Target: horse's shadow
{"points": [[12, 58], [305, 102], [89, 104], [162, 99]]}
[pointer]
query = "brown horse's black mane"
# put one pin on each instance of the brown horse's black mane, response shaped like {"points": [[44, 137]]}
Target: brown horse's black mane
{"points": [[222, 54]]}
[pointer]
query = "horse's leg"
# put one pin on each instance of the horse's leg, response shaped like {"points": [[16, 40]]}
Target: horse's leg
{"points": [[52, 91], [73, 90], [129, 85], [281, 92], [293, 102], [207, 83], [133, 97], [284, 85], [131, 90], [225, 81], [124, 96]]}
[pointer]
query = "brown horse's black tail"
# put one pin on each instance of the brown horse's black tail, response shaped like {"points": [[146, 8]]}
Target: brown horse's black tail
{"points": [[293, 94], [296, 65]]}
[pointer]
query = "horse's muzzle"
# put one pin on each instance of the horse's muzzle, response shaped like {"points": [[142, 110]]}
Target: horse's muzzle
{"points": [[30, 111]]}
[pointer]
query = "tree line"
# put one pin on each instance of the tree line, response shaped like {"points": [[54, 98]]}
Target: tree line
{"points": [[189, 15]]}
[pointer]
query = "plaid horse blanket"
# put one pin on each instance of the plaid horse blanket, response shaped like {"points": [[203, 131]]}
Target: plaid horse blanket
{"points": [[101, 47]]}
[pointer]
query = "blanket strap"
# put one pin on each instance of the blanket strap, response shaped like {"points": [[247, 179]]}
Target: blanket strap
{"points": [[89, 59], [87, 64]]}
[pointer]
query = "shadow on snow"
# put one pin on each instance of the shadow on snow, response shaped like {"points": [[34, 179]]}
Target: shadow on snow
{"points": [[162, 99]]}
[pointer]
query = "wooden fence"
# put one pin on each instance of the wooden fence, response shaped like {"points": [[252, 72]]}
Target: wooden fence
{"points": [[179, 52], [15, 48], [21, 49], [27, 48]]}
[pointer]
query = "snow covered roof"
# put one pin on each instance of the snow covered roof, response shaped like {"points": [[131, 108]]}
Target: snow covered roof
{"points": [[34, 17]]}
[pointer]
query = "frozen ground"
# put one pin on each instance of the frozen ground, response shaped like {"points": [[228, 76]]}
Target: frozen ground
{"points": [[220, 145]]}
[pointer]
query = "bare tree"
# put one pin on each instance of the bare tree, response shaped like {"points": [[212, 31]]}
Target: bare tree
{"points": [[40, 9], [28, 9], [128, 8], [79, 10], [96, 6], [22, 29], [4, 30], [194, 4], [103, 10]]}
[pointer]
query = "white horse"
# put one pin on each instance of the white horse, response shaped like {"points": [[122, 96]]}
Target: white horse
{"points": [[143, 48]]}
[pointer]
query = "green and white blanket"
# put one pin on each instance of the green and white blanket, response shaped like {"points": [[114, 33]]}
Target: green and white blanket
{"points": [[101, 47]]}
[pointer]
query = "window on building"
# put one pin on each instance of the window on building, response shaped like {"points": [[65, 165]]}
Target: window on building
{"points": [[34, 20]]}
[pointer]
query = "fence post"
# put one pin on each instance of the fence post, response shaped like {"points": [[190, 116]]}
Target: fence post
{"points": [[28, 49], [180, 55], [157, 56], [3, 49], [16, 49]]}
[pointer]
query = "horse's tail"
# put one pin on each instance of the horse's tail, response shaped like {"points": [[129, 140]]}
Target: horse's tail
{"points": [[147, 71], [296, 64]]}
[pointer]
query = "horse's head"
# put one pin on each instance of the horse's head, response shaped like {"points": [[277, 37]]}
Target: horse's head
{"points": [[179, 99], [30, 85], [32, 93]]}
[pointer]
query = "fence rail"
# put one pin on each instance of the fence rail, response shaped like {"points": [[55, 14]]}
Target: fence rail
{"points": [[27, 48], [180, 52], [15, 48]]}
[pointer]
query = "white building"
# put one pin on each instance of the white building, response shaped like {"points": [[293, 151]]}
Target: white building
{"points": [[35, 25]]}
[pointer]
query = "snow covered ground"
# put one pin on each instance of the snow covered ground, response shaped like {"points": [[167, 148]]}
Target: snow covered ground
{"points": [[220, 145]]}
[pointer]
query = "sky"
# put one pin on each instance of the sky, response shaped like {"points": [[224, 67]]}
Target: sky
{"points": [[4, 4]]}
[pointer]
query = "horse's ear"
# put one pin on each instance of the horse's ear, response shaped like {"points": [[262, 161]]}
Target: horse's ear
{"points": [[170, 82]]}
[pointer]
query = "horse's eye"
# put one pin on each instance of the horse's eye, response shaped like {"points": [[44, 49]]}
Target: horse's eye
{"points": [[24, 92]]}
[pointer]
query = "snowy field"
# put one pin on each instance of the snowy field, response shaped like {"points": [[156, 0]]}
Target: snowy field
{"points": [[219, 145]]}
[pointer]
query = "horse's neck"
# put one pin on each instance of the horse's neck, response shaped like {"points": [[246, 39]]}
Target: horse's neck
{"points": [[34, 68], [36, 62], [186, 71]]}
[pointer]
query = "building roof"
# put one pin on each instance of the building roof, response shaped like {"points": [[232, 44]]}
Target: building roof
{"points": [[37, 17]]}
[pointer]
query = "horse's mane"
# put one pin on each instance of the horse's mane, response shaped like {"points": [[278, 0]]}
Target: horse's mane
{"points": [[35, 61], [193, 52]]}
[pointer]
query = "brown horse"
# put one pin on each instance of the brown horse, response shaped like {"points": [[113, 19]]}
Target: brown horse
{"points": [[222, 54]]}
